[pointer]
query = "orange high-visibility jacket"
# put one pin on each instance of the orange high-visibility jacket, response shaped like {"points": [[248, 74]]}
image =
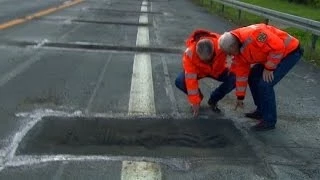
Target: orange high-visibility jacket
{"points": [[196, 69], [262, 44]]}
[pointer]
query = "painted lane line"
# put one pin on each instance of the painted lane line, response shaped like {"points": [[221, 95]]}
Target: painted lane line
{"points": [[141, 102], [141, 94], [140, 171], [144, 9], [143, 19], [143, 40], [99, 82], [143, 32]]}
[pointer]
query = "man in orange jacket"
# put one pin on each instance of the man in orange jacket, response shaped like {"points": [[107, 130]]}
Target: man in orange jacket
{"points": [[203, 58], [272, 53]]}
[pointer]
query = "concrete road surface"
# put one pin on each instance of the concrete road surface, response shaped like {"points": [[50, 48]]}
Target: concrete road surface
{"points": [[87, 92]]}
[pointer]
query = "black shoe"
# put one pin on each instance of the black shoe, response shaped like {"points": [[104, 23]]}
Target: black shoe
{"points": [[262, 126], [254, 115], [214, 106]]}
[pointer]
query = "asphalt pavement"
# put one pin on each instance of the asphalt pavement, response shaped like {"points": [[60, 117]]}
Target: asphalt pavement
{"points": [[87, 92]]}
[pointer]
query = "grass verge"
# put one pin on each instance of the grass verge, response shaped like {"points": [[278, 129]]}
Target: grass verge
{"points": [[232, 14]]}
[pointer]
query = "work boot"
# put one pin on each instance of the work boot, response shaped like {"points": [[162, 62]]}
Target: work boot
{"points": [[262, 126], [214, 106], [254, 115]]}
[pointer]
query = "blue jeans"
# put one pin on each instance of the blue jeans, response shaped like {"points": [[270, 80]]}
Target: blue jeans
{"points": [[263, 92], [228, 84]]}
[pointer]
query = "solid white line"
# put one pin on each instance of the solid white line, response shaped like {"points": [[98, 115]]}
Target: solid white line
{"points": [[142, 95], [101, 76]]}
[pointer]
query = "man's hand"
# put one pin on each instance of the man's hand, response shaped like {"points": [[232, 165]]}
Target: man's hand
{"points": [[267, 76], [195, 109], [239, 104]]}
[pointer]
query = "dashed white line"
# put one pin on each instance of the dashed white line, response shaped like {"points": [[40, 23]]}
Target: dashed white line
{"points": [[143, 32], [143, 19], [141, 102], [142, 94]]}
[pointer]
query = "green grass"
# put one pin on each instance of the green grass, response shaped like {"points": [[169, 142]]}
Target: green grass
{"points": [[279, 5], [290, 8]]}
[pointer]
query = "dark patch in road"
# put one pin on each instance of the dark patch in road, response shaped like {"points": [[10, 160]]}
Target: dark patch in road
{"points": [[123, 11], [135, 137], [111, 22], [94, 46]]}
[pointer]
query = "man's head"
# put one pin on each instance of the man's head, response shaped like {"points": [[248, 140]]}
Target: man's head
{"points": [[205, 50], [229, 43]]}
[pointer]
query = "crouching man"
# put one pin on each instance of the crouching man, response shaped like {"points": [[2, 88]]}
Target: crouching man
{"points": [[203, 58]]}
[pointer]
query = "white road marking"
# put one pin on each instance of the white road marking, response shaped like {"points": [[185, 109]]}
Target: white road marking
{"points": [[41, 43], [141, 94], [32, 120], [143, 32], [29, 160], [94, 93], [143, 19], [141, 102], [142, 40], [140, 171]]}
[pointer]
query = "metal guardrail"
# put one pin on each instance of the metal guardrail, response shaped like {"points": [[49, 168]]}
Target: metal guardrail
{"points": [[284, 18]]}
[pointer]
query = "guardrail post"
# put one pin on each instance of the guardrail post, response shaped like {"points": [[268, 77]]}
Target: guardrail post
{"points": [[266, 21], [314, 39], [239, 15]]}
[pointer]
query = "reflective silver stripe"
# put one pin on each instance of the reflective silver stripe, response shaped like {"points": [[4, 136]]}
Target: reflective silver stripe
{"points": [[287, 40], [276, 56], [271, 65], [193, 92], [241, 89], [242, 79], [189, 52], [245, 44], [191, 75]]}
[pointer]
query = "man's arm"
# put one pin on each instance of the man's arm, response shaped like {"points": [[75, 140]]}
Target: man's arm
{"points": [[241, 70], [191, 79]]}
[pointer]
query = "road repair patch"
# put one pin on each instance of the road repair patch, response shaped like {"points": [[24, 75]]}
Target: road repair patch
{"points": [[156, 137]]}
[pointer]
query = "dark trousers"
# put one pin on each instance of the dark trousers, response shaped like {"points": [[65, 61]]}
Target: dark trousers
{"points": [[228, 84], [263, 92]]}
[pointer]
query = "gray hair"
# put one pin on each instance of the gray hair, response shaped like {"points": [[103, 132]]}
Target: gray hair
{"points": [[205, 49], [227, 41]]}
